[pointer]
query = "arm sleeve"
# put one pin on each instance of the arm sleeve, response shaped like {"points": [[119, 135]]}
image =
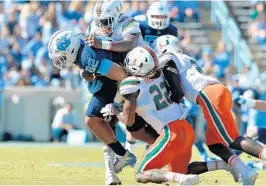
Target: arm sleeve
{"points": [[173, 82], [105, 67]]}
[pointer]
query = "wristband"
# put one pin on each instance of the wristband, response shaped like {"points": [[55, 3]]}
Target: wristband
{"points": [[250, 103], [106, 45]]}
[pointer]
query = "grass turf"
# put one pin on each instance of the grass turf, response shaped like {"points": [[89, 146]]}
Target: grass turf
{"points": [[51, 165]]}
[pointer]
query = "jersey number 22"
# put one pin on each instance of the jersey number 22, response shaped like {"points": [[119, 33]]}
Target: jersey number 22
{"points": [[160, 96]]}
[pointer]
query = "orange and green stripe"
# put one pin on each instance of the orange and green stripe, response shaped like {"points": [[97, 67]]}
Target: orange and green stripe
{"points": [[155, 149], [217, 121], [129, 82]]}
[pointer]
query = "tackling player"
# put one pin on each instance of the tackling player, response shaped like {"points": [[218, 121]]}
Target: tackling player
{"points": [[144, 92], [110, 30], [216, 103], [154, 105], [157, 24], [66, 48]]}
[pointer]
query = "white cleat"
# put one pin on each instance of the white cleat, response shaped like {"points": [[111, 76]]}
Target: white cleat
{"points": [[123, 161], [110, 176], [112, 179], [234, 173], [250, 177], [189, 179]]}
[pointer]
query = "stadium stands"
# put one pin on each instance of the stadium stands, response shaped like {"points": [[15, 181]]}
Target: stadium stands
{"points": [[246, 16]]}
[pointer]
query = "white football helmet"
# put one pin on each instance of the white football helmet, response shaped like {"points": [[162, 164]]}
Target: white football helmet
{"points": [[167, 44], [158, 15], [141, 62], [106, 14], [63, 48]]}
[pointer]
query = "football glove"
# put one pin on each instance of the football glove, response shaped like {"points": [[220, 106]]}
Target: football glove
{"points": [[94, 86]]}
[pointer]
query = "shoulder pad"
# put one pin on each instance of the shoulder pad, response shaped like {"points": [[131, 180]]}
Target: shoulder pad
{"points": [[129, 85], [130, 26]]}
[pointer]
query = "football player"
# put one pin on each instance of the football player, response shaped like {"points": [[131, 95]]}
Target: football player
{"points": [[111, 30], [216, 102], [252, 103], [66, 48], [145, 92], [157, 23]]}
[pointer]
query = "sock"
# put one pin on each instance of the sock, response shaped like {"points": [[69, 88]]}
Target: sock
{"points": [[130, 145], [263, 154], [216, 165], [108, 159], [248, 146], [236, 163], [200, 147], [117, 148]]}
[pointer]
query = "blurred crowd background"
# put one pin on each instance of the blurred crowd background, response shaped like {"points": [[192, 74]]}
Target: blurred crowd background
{"points": [[26, 27]]}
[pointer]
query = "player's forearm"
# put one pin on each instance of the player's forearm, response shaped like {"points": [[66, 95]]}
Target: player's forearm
{"points": [[123, 46], [260, 105], [116, 72], [122, 118]]}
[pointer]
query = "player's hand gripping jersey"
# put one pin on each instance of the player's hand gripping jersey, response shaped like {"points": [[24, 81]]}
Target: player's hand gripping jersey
{"points": [[126, 26], [153, 103], [192, 78]]}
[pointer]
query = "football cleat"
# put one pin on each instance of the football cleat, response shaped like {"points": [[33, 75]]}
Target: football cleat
{"points": [[234, 173], [189, 180], [249, 178], [112, 179], [123, 161]]}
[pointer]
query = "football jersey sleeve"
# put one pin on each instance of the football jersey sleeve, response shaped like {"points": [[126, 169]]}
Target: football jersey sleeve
{"points": [[129, 85], [131, 27]]}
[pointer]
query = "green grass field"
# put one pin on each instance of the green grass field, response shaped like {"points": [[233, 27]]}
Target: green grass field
{"points": [[65, 165]]}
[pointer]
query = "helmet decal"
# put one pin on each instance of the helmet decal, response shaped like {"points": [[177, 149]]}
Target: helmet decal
{"points": [[63, 43], [152, 54]]}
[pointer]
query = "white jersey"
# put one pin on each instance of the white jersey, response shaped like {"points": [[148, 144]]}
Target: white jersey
{"points": [[153, 102], [126, 26], [192, 78]]}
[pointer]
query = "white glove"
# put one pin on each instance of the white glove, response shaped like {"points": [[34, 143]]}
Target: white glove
{"points": [[245, 101], [108, 110]]}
